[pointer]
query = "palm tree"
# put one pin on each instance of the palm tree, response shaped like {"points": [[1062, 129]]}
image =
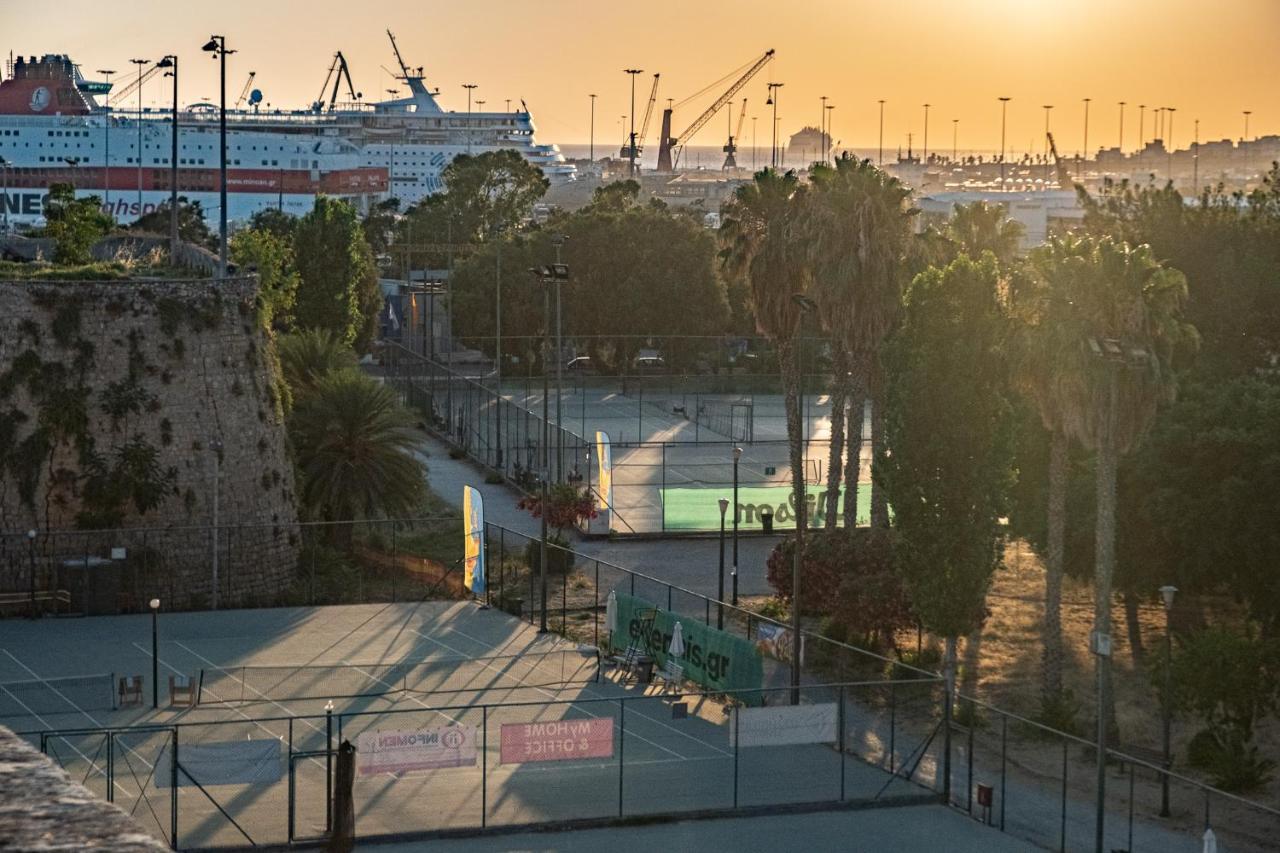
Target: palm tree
{"points": [[1104, 364], [758, 233], [308, 356], [860, 222], [354, 449], [981, 227]]}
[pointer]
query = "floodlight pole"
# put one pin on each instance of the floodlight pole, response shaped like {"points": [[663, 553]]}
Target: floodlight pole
{"points": [[1167, 592], [558, 241], [546, 453], [737, 454], [155, 655], [724, 505], [171, 62], [31, 549], [805, 305], [216, 447]]}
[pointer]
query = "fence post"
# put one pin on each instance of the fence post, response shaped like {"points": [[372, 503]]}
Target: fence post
{"points": [[173, 794], [736, 747], [662, 495], [484, 765], [564, 600], [1129, 845], [893, 727], [395, 561], [595, 612], [840, 721], [1062, 843], [292, 785], [1004, 740], [328, 768], [668, 598], [969, 754], [111, 749], [622, 745], [502, 564]]}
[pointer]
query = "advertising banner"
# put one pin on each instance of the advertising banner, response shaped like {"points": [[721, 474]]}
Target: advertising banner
{"points": [[697, 507], [473, 546], [775, 641], [717, 660], [785, 725], [235, 762], [604, 461], [413, 750], [557, 740]]}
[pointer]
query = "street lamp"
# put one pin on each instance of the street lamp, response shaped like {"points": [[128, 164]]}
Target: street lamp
{"points": [[806, 305], [631, 137], [139, 63], [4, 188], [1086, 136], [880, 155], [1167, 592], [737, 455], [31, 548], [724, 506], [546, 276], [924, 157], [1047, 108], [171, 61], [155, 656], [773, 101], [558, 242], [106, 141], [217, 45], [592, 155], [216, 446], [1004, 112], [470, 87]]}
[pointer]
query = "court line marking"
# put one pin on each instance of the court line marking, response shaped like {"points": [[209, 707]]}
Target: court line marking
{"points": [[264, 696], [592, 694], [570, 703]]}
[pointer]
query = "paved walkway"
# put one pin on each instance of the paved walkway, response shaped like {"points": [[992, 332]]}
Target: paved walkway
{"points": [[924, 828], [692, 563]]}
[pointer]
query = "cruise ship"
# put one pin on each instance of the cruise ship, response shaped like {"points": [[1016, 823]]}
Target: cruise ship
{"points": [[54, 129]]}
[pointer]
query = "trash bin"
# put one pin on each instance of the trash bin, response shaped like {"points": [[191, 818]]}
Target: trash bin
{"points": [[766, 520]]}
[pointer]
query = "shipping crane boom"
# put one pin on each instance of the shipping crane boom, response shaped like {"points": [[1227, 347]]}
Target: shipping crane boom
{"points": [[337, 71], [644, 125], [731, 147], [1064, 174], [669, 143], [244, 93], [133, 85]]}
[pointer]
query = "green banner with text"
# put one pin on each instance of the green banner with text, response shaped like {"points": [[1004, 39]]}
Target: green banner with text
{"points": [[716, 660], [698, 507]]}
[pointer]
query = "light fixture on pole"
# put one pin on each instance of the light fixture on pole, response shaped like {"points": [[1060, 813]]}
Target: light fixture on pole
{"points": [[470, 87], [724, 507], [592, 154], [1004, 113], [880, 156], [558, 242], [216, 447], [822, 127], [139, 63], [773, 144], [1167, 593], [1169, 145], [1243, 140], [955, 136], [1120, 145], [631, 136], [106, 141], [4, 189], [1086, 137], [546, 276], [1142, 131], [217, 45], [806, 306], [155, 654], [737, 455], [31, 550], [171, 61], [924, 156], [830, 141]]}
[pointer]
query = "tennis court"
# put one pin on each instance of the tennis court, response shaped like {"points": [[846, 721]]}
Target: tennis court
{"points": [[265, 676]]}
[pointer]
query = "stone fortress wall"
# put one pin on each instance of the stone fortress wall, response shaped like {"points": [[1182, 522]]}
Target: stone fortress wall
{"points": [[119, 401]]}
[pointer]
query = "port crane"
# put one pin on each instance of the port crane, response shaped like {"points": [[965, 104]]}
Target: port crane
{"points": [[1064, 174], [244, 93], [337, 71], [671, 147], [731, 147], [644, 125], [132, 87]]}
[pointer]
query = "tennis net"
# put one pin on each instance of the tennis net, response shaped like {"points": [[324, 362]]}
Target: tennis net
{"points": [[237, 684], [732, 418], [57, 695]]}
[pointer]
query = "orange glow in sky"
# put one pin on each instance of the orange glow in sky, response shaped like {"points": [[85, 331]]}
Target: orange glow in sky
{"points": [[1211, 61]]}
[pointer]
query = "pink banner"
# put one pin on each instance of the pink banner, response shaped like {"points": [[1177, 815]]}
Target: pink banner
{"points": [[557, 740]]}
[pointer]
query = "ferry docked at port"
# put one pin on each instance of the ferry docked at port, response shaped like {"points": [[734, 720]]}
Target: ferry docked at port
{"points": [[57, 126]]}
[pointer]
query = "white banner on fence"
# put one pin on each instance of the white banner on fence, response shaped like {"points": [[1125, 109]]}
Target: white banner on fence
{"points": [[399, 752], [785, 725], [235, 762]]}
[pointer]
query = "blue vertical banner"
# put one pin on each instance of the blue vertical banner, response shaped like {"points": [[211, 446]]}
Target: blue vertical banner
{"points": [[473, 548], [604, 461]]}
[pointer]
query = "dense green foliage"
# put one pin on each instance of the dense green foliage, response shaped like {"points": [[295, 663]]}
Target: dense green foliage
{"points": [[73, 224], [949, 433], [338, 288]]}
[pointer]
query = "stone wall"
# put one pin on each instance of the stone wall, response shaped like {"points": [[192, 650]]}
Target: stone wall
{"points": [[114, 398], [41, 808]]}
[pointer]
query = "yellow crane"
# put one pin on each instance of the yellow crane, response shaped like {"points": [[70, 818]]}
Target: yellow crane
{"points": [[644, 125], [671, 146], [1064, 174]]}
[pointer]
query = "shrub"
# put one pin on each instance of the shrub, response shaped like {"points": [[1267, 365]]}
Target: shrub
{"points": [[559, 557]]}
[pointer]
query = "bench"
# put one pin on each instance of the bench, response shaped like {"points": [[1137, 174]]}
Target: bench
{"points": [[130, 690], [672, 675], [23, 599], [633, 663], [182, 691], [1128, 754]]}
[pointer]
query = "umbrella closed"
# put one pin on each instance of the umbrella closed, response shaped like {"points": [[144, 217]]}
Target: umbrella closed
{"points": [[1210, 842], [611, 613], [676, 648]]}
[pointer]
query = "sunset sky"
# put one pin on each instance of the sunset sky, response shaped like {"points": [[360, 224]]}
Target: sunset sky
{"points": [[1209, 60]]}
